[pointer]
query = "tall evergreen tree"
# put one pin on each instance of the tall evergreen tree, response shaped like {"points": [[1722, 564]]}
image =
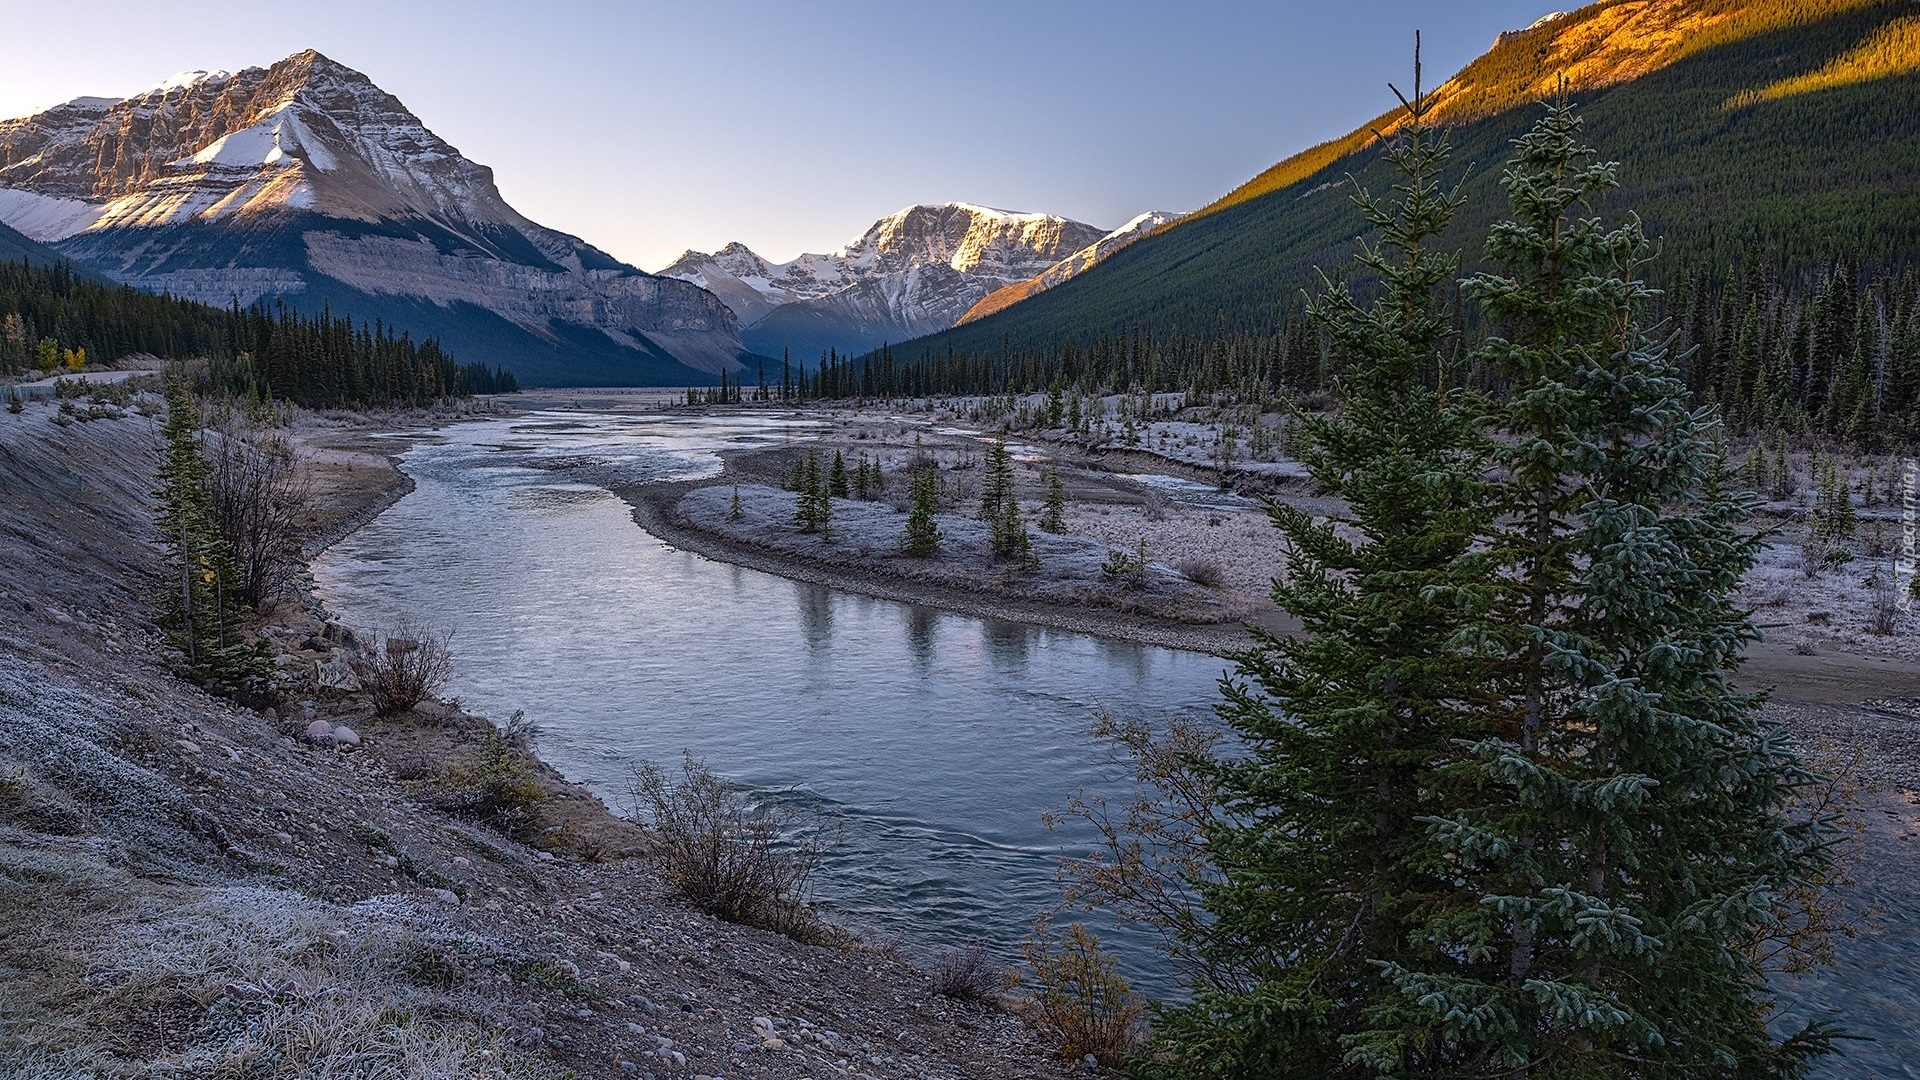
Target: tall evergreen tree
{"points": [[837, 477], [1323, 866], [923, 537], [1623, 842], [204, 601], [1053, 517]]}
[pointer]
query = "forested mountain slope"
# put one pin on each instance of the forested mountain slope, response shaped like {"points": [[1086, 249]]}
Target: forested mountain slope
{"points": [[1779, 136]]}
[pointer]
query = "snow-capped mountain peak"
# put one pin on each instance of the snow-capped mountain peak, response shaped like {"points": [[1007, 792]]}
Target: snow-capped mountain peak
{"points": [[912, 272], [1072, 265], [328, 178]]}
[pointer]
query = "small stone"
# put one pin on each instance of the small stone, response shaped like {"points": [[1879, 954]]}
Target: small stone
{"points": [[635, 1029], [584, 1013], [543, 856], [390, 860], [630, 1066], [445, 896], [1090, 1061], [319, 730], [189, 746], [763, 1025], [284, 837], [345, 736], [463, 862]]}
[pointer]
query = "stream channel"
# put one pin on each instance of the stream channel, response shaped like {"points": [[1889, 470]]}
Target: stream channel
{"points": [[931, 743]]}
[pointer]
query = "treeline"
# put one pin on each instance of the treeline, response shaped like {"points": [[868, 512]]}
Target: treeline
{"points": [[1834, 353], [51, 316], [327, 361]]}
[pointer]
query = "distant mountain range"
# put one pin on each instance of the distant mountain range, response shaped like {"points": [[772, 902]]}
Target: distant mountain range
{"points": [[1765, 136], [304, 182], [914, 272]]}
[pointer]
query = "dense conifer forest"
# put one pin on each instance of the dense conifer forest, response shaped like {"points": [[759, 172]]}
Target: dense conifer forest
{"points": [[52, 318], [1832, 353]]}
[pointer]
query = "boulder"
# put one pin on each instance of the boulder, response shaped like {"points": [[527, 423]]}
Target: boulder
{"points": [[320, 731], [336, 673]]}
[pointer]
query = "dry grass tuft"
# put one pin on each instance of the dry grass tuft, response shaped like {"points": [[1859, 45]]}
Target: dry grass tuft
{"points": [[965, 974]]}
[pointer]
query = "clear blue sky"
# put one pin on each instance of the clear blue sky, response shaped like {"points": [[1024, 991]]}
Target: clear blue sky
{"points": [[649, 128]]}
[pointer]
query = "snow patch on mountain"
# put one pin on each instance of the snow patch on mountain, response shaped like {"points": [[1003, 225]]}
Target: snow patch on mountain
{"points": [[44, 217]]}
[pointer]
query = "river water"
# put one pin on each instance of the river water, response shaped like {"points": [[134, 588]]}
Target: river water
{"points": [[933, 743]]}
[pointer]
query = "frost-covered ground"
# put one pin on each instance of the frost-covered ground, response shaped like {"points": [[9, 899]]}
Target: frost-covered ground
{"points": [[869, 535], [1835, 609]]}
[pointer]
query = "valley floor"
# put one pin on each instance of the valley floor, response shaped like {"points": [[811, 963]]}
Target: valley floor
{"points": [[187, 886]]}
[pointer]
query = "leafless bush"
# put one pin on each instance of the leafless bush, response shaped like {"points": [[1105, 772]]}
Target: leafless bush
{"points": [[1201, 571], [401, 668], [257, 497], [745, 866], [1823, 910], [965, 974], [1882, 607]]}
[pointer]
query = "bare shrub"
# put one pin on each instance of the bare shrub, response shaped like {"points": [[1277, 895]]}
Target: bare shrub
{"points": [[1079, 997], [1204, 572], [965, 974], [257, 497], [401, 668], [1882, 607], [744, 865], [1824, 910]]}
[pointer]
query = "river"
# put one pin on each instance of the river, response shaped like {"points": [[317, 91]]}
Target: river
{"points": [[932, 743]]}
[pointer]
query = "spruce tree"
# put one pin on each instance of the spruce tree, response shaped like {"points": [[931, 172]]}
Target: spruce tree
{"points": [[1053, 517], [998, 485], [809, 485], [1321, 864], [1621, 846], [860, 488], [923, 532], [205, 607], [837, 477], [1008, 533]]}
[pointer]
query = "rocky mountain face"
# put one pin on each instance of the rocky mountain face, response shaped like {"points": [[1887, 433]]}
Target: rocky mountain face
{"points": [[1070, 267], [913, 273], [307, 183]]}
